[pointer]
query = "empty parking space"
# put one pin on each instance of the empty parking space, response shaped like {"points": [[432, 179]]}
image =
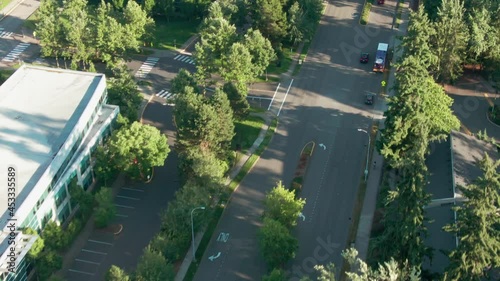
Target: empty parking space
{"points": [[90, 257], [126, 201]]}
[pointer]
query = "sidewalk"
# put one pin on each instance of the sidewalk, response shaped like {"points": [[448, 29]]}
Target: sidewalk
{"points": [[9, 8], [374, 177]]}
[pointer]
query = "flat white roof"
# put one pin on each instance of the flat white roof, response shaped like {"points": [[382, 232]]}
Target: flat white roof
{"points": [[39, 107], [383, 47]]}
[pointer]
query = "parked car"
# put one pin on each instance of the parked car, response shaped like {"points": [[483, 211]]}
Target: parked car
{"points": [[369, 98], [364, 57], [380, 2]]}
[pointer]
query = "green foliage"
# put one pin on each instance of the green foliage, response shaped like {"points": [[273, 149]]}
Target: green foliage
{"points": [[48, 262], [326, 273], [116, 274], [450, 40], [275, 275], [390, 270], [237, 95], [417, 41], [403, 220], [37, 247], [82, 198], [204, 132], [122, 91], [106, 209], [365, 14], [104, 169], [260, 50], [54, 237], [154, 267], [419, 113], [138, 148], [182, 80], [281, 205], [237, 64], [277, 245], [477, 227], [270, 19], [84, 33]]}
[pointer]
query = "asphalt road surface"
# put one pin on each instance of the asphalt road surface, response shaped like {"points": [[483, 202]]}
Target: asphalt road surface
{"points": [[325, 105]]}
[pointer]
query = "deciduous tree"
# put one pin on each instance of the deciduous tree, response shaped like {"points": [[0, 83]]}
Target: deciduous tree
{"points": [[153, 266], [106, 210], [282, 206], [123, 91], [138, 148], [277, 245], [237, 95], [116, 274]]}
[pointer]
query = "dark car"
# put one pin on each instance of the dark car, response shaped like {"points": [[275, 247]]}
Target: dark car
{"points": [[369, 98], [364, 58], [380, 2]]}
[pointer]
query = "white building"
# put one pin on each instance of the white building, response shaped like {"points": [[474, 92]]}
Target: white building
{"points": [[50, 122]]}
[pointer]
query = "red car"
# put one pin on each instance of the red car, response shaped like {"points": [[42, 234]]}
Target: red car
{"points": [[364, 58], [380, 2]]}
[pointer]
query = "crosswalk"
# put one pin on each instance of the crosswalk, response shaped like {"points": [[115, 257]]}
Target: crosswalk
{"points": [[146, 67], [165, 94], [4, 34], [184, 58], [14, 54]]}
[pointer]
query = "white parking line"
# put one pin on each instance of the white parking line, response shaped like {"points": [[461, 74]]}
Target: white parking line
{"points": [[123, 206], [82, 272], [94, 252], [100, 242], [131, 189], [120, 215], [85, 261], [271, 103], [127, 197]]}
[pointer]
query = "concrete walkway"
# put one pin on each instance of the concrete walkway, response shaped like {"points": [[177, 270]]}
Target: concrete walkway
{"points": [[375, 175]]}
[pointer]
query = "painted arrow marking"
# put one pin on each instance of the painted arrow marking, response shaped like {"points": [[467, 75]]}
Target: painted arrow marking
{"points": [[212, 258], [322, 146], [302, 216]]}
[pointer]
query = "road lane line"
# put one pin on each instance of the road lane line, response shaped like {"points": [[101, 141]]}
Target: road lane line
{"points": [[94, 252], [138, 190], [85, 261], [122, 216], [283, 102], [100, 242], [124, 206], [275, 91], [127, 197], [82, 272]]}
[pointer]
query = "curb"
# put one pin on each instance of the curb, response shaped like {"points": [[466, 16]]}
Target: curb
{"points": [[493, 123]]}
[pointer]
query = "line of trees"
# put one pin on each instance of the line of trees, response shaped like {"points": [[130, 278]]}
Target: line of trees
{"points": [[464, 32], [418, 114], [277, 243], [83, 33]]}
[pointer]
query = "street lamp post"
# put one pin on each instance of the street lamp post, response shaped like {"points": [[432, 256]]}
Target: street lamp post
{"points": [[192, 229], [367, 151]]}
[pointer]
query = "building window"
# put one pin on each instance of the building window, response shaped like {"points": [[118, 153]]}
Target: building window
{"points": [[46, 219], [85, 164], [87, 181], [63, 215], [60, 196]]}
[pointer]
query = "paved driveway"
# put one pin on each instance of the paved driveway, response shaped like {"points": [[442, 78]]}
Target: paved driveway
{"points": [[325, 105], [138, 207]]}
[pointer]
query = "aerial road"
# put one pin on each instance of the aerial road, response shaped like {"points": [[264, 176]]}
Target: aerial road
{"points": [[326, 105]]}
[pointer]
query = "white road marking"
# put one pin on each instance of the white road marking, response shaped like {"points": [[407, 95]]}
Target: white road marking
{"points": [[99, 242], [82, 272], [283, 102], [85, 261], [94, 252]]}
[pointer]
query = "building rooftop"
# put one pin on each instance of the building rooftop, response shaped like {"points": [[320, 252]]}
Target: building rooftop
{"points": [[39, 107], [467, 152]]}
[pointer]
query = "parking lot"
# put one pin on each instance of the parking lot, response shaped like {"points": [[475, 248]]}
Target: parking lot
{"points": [[101, 242]]}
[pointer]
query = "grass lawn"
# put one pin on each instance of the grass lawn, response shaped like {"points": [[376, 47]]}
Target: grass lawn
{"points": [[31, 21], [285, 62], [172, 34], [4, 3], [246, 132]]}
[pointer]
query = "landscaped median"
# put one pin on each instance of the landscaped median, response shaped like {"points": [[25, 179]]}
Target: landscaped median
{"points": [[365, 14], [223, 199], [300, 172]]}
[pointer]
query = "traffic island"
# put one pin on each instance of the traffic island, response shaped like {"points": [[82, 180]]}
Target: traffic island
{"points": [[300, 172]]}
